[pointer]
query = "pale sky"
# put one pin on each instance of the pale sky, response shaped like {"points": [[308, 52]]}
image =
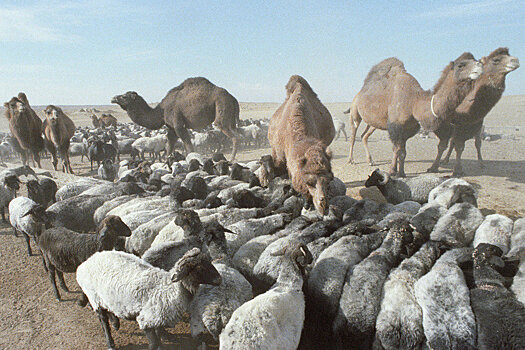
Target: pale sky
{"points": [[85, 52]]}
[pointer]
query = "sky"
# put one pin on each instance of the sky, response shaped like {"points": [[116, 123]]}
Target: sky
{"points": [[84, 52]]}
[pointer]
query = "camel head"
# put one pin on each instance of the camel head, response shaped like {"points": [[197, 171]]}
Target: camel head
{"points": [[52, 113], [314, 175], [126, 99], [15, 106], [499, 62], [465, 67]]}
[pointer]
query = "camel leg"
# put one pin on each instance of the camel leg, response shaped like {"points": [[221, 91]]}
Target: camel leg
{"points": [[442, 146], [364, 138], [172, 139], [232, 136], [477, 143], [393, 165], [353, 131], [36, 158], [184, 135], [449, 152], [346, 136], [458, 168]]}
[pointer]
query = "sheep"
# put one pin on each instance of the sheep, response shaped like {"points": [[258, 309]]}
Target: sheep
{"points": [[427, 217], [127, 287], [397, 190], [517, 240], [518, 283], [105, 208], [213, 306], [326, 280], [145, 234], [457, 227], [78, 149], [8, 187], [27, 217], [499, 315], [154, 145], [64, 250], [354, 324], [42, 191], [139, 204], [496, 230], [399, 324], [98, 151], [107, 170], [272, 320], [239, 172], [72, 189], [453, 191], [442, 294], [113, 189]]}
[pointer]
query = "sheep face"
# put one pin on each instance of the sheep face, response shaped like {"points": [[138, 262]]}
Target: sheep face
{"points": [[38, 212], [377, 178], [487, 254], [113, 223], [193, 269], [188, 220], [12, 182]]}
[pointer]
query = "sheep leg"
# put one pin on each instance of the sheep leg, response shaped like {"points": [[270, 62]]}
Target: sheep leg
{"points": [[26, 236], [115, 322], [153, 339], [15, 232], [82, 301], [52, 272], [364, 138], [3, 215], [103, 317], [60, 275]]}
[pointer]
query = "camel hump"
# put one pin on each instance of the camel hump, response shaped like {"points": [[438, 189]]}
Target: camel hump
{"points": [[384, 70], [295, 81], [193, 82]]}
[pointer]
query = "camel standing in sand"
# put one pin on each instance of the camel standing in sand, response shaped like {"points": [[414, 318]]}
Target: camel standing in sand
{"points": [[194, 104], [26, 127], [392, 99], [95, 121], [108, 120], [58, 129], [468, 116], [299, 133]]}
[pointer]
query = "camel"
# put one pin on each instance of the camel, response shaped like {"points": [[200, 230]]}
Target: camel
{"points": [[95, 121], [58, 129], [392, 99], [299, 133], [467, 119], [107, 120], [194, 104], [26, 128]]}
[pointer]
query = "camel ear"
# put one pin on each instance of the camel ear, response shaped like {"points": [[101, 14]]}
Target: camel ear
{"points": [[303, 161], [6, 105], [483, 60], [329, 153]]}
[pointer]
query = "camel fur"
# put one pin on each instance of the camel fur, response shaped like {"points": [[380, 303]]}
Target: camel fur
{"points": [[58, 129], [467, 120], [194, 104], [25, 127], [299, 133], [392, 99]]}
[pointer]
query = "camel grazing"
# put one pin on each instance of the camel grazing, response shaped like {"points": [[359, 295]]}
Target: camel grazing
{"points": [[468, 117], [392, 99], [107, 120], [58, 129], [299, 133], [194, 104], [26, 128], [95, 121]]}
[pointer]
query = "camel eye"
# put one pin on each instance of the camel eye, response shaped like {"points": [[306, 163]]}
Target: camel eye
{"points": [[461, 65], [496, 60]]}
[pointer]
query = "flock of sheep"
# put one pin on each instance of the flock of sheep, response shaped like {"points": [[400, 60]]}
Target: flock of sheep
{"points": [[253, 269]]}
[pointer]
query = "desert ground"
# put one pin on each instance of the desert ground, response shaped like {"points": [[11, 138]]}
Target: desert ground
{"points": [[31, 318]]}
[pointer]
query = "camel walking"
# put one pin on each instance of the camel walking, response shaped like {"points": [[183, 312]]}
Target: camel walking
{"points": [[467, 118], [299, 133], [194, 104], [58, 129], [392, 99], [25, 127]]}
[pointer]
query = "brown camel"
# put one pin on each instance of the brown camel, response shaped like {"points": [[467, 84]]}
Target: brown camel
{"points": [[107, 120], [194, 104], [26, 128], [95, 121], [299, 133], [468, 117], [392, 99], [58, 129]]}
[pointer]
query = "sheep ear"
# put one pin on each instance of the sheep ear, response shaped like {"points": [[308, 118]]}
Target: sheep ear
{"points": [[278, 252], [177, 276], [497, 261]]}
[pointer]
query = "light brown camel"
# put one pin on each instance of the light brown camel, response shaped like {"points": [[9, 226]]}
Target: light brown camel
{"points": [[26, 128], [468, 116], [299, 133], [58, 129], [108, 120], [95, 121], [392, 99], [194, 104]]}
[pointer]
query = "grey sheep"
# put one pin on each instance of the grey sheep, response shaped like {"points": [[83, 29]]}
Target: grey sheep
{"points": [[42, 191], [125, 286], [397, 190], [453, 191], [443, 295], [496, 229], [8, 187], [517, 240], [427, 217], [457, 227], [64, 250], [27, 217], [107, 170]]}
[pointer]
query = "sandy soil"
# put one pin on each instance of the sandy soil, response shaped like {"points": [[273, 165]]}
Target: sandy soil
{"points": [[31, 318]]}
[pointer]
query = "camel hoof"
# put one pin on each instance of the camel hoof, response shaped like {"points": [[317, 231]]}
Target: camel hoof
{"points": [[432, 170], [458, 173], [351, 161], [444, 161]]}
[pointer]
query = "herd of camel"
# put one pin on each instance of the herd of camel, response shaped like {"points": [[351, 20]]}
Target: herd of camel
{"points": [[302, 128]]}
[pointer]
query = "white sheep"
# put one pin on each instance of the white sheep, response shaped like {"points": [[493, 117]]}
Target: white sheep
{"points": [[27, 217], [154, 145], [496, 229], [127, 287], [457, 227], [453, 191], [517, 240]]}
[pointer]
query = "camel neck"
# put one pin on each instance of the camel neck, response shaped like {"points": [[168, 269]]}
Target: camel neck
{"points": [[142, 114]]}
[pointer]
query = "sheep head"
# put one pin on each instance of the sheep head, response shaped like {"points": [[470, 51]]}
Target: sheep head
{"points": [[193, 269], [377, 178], [189, 221], [39, 214], [12, 182], [296, 251], [486, 254], [193, 165], [109, 229]]}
